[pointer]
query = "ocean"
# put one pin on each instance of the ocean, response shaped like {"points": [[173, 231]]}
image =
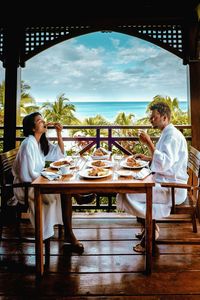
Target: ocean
{"points": [[109, 110]]}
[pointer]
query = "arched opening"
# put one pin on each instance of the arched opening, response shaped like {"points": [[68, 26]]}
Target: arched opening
{"points": [[106, 67]]}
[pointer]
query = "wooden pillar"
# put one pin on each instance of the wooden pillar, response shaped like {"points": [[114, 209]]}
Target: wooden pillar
{"points": [[194, 74], [11, 64]]}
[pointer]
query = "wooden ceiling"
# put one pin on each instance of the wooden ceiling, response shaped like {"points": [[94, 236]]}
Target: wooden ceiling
{"points": [[100, 12]]}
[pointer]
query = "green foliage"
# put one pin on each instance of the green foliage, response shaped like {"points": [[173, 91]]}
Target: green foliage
{"points": [[60, 111], [64, 112], [177, 115]]}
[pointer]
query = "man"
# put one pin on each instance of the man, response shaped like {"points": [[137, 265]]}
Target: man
{"points": [[168, 160]]}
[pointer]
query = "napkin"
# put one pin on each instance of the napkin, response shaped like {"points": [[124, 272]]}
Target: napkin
{"points": [[50, 175], [142, 174]]}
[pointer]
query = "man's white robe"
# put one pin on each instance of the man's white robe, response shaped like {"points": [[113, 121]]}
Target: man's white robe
{"points": [[28, 165], [170, 165]]}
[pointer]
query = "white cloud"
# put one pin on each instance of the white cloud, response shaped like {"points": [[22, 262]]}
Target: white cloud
{"points": [[98, 67]]}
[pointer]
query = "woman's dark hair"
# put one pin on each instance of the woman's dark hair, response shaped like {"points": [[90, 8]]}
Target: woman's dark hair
{"points": [[163, 109], [29, 125]]}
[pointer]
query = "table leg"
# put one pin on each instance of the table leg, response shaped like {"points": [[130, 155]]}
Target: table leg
{"points": [[148, 230], [38, 233]]}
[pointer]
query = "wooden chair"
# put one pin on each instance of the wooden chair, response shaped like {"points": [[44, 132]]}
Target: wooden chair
{"points": [[190, 207], [6, 187]]}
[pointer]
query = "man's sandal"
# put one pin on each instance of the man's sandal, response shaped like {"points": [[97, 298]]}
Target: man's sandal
{"points": [[140, 235], [77, 248], [139, 248]]}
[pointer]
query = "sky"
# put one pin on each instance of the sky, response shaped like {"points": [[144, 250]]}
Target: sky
{"points": [[105, 67]]}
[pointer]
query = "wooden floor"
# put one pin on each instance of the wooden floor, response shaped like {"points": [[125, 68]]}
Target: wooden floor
{"points": [[108, 269]]}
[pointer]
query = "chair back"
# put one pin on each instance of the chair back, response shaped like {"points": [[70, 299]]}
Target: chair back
{"points": [[6, 177], [194, 166]]}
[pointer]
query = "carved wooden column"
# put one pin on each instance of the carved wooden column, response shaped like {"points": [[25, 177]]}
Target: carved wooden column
{"points": [[11, 64], [195, 102]]}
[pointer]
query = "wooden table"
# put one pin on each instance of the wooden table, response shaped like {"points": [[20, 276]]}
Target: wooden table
{"points": [[73, 185]]}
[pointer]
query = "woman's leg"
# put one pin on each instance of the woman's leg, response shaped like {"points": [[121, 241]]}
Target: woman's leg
{"points": [[140, 234], [66, 204]]}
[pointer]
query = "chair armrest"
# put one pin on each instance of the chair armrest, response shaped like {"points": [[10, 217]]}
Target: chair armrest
{"points": [[16, 185], [173, 186], [25, 185], [177, 185]]}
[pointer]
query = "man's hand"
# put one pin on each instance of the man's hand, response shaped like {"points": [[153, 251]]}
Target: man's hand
{"points": [[144, 137], [142, 157]]}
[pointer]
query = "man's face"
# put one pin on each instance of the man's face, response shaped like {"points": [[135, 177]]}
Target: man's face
{"points": [[157, 120]]}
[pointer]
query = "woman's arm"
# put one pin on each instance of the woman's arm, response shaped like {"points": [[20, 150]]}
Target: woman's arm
{"points": [[59, 128]]}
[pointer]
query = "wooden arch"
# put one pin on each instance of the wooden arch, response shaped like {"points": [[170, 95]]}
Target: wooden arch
{"points": [[40, 38], [173, 28]]}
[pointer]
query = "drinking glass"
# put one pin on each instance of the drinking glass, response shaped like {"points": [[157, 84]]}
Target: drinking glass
{"points": [[75, 157], [117, 160], [143, 147]]}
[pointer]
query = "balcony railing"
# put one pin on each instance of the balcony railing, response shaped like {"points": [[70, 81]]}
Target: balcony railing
{"points": [[111, 137]]}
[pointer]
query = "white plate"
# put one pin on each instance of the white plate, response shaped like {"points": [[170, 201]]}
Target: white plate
{"points": [[124, 173], [70, 163], [84, 173], [103, 157], [142, 163], [67, 173], [107, 163]]}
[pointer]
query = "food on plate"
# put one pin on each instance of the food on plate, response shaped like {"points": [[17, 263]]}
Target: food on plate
{"points": [[61, 162], [99, 152], [132, 162], [98, 163], [98, 171]]}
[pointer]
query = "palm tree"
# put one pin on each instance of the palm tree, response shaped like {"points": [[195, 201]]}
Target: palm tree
{"points": [[59, 111], [27, 102], [97, 120], [123, 119], [2, 93], [176, 113], [2, 101]]}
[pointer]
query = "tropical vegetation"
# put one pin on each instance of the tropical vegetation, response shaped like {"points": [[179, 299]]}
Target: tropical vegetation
{"points": [[61, 110]]}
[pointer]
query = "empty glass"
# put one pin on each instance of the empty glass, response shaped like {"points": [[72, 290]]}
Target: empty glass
{"points": [[75, 157], [116, 160]]}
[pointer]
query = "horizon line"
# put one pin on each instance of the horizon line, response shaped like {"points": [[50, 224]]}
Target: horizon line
{"points": [[114, 101]]}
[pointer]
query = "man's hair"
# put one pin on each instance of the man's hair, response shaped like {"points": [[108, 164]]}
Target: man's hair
{"points": [[163, 109]]}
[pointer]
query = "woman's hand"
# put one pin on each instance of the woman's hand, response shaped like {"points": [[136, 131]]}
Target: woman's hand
{"points": [[58, 127]]}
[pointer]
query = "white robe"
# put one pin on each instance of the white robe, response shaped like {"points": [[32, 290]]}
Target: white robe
{"points": [[170, 165], [27, 166]]}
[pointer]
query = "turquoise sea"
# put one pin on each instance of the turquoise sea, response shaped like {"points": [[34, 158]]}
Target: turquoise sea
{"points": [[109, 110]]}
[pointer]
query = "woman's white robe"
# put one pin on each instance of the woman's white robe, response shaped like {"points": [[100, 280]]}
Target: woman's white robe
{"points": [[27, 166], [170, 165]]}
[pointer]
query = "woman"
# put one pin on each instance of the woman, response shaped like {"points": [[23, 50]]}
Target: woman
{"points": [[30, 161]]}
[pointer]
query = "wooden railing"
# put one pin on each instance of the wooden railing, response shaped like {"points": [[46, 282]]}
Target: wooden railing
{"points": [[112, 139]]}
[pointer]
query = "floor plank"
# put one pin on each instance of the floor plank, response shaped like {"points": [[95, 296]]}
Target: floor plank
{"points": [[108, 268]]}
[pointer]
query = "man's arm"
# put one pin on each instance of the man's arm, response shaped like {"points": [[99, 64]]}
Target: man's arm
{"points": [[145, 138]]}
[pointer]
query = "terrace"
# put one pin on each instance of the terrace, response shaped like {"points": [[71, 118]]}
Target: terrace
{"points": [[108, 269]]}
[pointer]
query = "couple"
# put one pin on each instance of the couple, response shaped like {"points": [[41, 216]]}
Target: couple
{"points": [[168, 160], [28, 165]]}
